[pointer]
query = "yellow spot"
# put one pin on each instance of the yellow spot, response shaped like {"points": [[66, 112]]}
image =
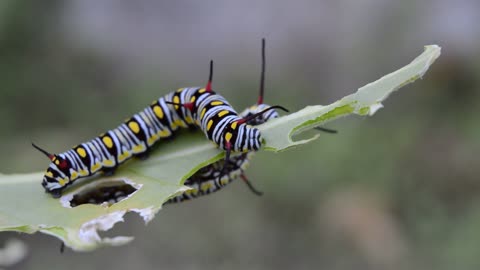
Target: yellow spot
{"points": [[81, 152], [203, 113], [49, 174], [134, 127], [158, 111], [228, 136], [193, 191], [224, 181], [206, 186], [73, 175], [107, 141], [176, 99], [222, 113], [95, 167], [108, 162], [209, 125], [189, 120], [178, 123], [138, 148], [215, 103], [192, 99], [152, 139], [202, 90], [180, 90], [61, 182], [83, 172], [234, 125], [164, 133], [57, 162], [123, 156]]}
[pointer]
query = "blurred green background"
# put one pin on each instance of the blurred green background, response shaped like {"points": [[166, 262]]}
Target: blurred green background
{"points": [[400, 190]]}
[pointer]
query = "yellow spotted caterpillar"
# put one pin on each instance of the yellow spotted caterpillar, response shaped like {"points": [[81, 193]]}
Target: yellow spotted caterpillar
{"points": [[217, 175], [193, 107]]}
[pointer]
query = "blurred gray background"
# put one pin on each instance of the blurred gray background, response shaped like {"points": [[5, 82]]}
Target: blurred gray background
{"points": [[400, 190]]}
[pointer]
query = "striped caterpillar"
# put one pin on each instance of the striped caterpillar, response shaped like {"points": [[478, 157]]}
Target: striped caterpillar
{"points": [[212, 178], [217, 175], [193, 107]]}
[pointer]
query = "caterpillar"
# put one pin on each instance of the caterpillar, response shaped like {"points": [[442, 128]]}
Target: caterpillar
{"points": [[217, 175], [192, 107]]}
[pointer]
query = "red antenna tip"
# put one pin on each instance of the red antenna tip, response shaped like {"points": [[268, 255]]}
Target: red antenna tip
{"points": [[209, 86], [260, 100]]}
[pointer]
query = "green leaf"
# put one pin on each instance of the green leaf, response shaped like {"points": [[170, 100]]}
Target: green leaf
{"points": [[24, 207]]}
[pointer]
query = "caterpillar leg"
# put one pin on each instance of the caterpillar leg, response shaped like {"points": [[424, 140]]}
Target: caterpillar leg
{"points": [[62, 247], [109, 171], [250, 186], [144, 155], [56, 193], [228, 150]]}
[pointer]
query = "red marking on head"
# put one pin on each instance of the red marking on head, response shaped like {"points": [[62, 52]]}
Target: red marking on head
{"points": [[228, 145], [51, 157], [208, 88], [63, 164]]}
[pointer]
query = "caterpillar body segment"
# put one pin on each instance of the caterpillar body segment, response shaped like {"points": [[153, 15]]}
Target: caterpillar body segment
{"points": [[209, 179], [192, 107], [215, 176]]}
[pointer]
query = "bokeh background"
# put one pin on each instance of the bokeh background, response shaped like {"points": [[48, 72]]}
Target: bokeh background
{"points": [[400, 190]]}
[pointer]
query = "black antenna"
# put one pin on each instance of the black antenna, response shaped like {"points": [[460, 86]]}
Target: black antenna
{"points": [[262, 75], [210, 76], [50, 156]]}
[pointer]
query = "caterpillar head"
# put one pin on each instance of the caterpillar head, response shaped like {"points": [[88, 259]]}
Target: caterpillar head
{"points": [[262, 118], [248, 137], [56, 177]]}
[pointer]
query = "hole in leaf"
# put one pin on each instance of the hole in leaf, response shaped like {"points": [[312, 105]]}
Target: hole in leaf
{"points": [[127, 227], [107, 193]]}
